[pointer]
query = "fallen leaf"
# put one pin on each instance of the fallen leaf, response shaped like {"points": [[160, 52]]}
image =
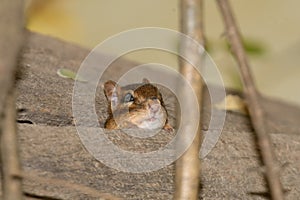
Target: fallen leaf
{"points": [[233, 103], [66, 73]]}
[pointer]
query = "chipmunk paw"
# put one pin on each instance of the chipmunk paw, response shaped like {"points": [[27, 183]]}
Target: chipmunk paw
{"points": [[168, 128]]}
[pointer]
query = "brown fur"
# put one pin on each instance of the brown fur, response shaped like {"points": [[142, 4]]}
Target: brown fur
{"points": [[132, 114]]}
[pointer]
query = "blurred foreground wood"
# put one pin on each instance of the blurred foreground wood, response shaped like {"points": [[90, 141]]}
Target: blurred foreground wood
{"points": [[11, 40]]}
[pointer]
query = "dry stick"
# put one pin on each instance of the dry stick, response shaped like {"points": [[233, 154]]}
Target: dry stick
{"points": [[187, 178], [11, 40], [11, 167], [252, 98]]}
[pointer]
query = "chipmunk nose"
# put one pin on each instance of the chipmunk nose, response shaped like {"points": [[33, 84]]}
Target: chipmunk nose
{"points": [[154, 106]]}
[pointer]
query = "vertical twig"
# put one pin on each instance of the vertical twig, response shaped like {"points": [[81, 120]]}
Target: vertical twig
{"points": [[252, 98], [11, 167], [188, 166], [12, 34]]}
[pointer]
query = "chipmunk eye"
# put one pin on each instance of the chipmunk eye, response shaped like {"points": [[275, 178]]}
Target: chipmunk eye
{"points": [[153, 98], [128, 98]]}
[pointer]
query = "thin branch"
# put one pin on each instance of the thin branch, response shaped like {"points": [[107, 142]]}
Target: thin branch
{"points": [[11, 166], [11, 40], [254, 106], [187, 178]]}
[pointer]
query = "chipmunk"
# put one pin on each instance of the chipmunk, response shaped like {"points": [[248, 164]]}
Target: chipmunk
{"points": [[136, 105]]}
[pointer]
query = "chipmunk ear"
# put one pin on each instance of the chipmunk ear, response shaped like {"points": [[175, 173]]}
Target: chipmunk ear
{"points": [[145, 81], [111, 91]]}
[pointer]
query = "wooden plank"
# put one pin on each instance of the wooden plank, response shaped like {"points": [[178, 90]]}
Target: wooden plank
{"points": [[52, 149]]}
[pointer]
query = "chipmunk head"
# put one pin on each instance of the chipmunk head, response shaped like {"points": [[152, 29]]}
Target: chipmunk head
{"points": [[138, 105]]}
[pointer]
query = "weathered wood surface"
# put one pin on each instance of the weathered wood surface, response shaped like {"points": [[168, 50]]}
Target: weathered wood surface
{"points": [[50, 147]]}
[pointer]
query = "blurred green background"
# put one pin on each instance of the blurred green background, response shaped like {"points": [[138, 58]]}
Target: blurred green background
{"points": [[271, 30]]}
